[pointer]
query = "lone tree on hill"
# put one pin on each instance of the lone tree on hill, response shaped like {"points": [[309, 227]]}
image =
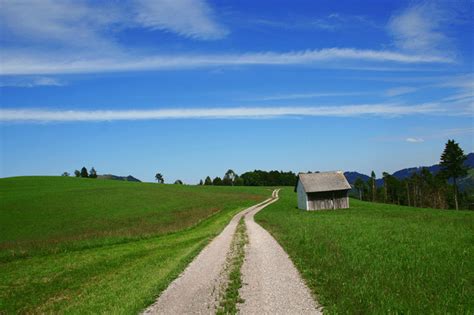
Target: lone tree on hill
{"points": [[159, 178], [208, 181], [66, 174], [84, 172], [77, 173], [92, 173], [452, 165], [178, 182]]}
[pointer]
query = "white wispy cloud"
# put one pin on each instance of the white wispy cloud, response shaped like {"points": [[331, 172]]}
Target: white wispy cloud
{"points": [[464, 87], [462, 82], [383, 110], [30, 82], [15, 63], [53, 25], [454, 132], [400, 90], [190, 18], [442, 134], [434, 134], [336, 21], [331, 22], [82, 24], [68, 37], [469, 95], [292, 96], [414, 140], [421, 28]]}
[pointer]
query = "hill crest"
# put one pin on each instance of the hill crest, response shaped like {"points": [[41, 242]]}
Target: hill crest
{"points": [[128, 178]]}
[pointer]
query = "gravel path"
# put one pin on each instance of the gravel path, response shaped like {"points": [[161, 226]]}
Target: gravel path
{"points": [[272, 285], [271, 282], [196, 290]]}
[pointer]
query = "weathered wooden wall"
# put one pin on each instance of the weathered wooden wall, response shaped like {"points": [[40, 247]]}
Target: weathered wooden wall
{"points": [[302, 198], [328, 200]]}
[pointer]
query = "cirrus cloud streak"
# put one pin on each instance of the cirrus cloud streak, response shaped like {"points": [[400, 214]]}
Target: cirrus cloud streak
{"points": [[384, 110], [14, 63]]}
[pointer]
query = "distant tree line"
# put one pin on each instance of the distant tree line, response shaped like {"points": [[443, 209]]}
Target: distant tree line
{"points": [[83, 173], [422, 189], [253, 178]]}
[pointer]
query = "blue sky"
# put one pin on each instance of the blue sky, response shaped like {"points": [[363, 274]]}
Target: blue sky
{"points": [[193, 88]]}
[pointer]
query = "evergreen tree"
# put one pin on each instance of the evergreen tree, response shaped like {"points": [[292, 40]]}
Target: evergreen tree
{"points": [[452, 165], [208, 181], [159, 178], [92, 173], [217, 181], [84, 172], [200, 182]]}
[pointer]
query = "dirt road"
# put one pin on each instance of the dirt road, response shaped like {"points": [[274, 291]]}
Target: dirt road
{"points": [[272, 285], [271, 282]]}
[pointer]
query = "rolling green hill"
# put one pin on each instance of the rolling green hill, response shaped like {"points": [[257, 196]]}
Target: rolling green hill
{"points": [[379, 258], [95, 246]]}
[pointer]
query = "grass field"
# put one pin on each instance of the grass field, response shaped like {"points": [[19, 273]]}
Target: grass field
{"points": [[377, 258], [97, 246]]}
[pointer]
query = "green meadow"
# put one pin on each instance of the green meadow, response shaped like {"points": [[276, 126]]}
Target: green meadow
{"points": [[73, 245], [378, 258]]}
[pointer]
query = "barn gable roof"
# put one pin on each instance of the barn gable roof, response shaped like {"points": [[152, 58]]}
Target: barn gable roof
{"points": [[323, 181]]}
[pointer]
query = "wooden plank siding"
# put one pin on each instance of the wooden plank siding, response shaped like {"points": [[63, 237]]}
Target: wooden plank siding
{"points": [[302, 197], [338, 199]]}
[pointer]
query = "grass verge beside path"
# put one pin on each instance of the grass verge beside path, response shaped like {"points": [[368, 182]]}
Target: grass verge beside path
{"points": [[377, 258], [116, 275]]}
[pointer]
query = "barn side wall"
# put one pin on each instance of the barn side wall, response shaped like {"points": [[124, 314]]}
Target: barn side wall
{"points": [[328, 200], [302, 197]]}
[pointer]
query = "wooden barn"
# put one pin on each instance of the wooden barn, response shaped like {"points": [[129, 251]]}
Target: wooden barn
{"points": [[325, 190]]}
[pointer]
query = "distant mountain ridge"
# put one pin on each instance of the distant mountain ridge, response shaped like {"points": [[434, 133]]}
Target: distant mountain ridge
{"points": [[407, 172], [128, 178], [353, 176]]}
